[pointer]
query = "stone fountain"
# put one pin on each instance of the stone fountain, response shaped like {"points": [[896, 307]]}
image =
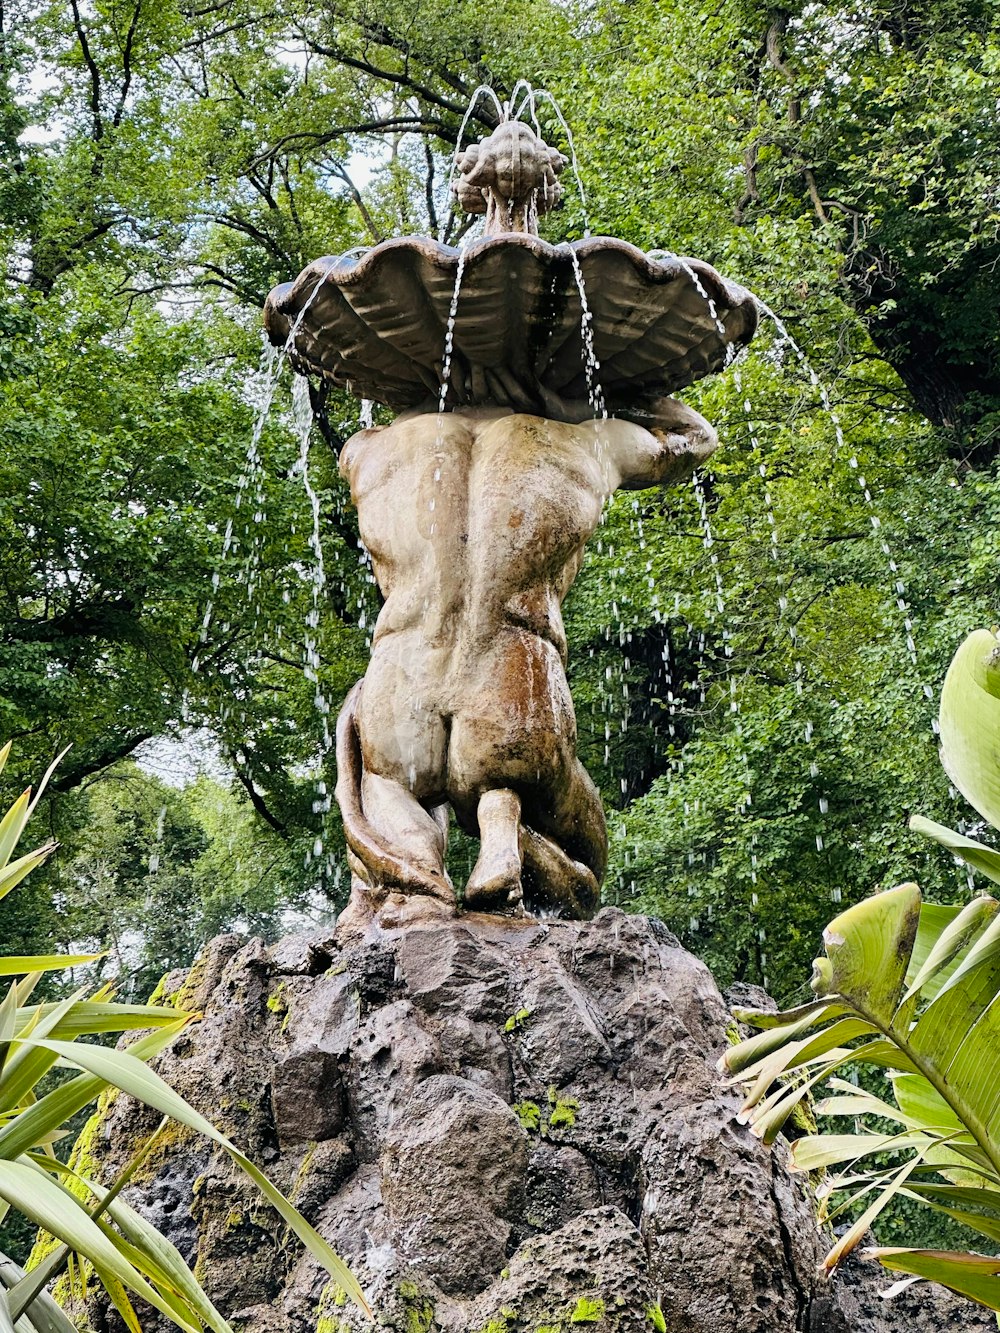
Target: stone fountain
{"points": [[530, 382], [505, 1124]]}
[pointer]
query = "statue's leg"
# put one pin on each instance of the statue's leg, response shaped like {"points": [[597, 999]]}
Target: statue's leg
{"points": [[495, 882], [513, 748], [555, 882], [573, 813], [393, 843], [565, 846], [415, 835]]}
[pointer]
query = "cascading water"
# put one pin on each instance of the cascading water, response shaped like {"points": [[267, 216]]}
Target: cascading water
{"points": [[302, 418], [878, 532]]}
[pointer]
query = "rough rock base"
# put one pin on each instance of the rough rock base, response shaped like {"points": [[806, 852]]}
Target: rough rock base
{"points": [[505, 1126]]}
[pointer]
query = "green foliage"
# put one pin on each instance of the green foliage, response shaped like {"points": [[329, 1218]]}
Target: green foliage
{"points": [[587, 1311], [517, 1021], [562, 1110], [910, 988], [529, 1114], [76, 1214]]}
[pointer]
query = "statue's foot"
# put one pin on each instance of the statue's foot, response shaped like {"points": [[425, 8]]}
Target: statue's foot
{"points": [[495, 882], [495, 887], [369, 908], [413, 909]]}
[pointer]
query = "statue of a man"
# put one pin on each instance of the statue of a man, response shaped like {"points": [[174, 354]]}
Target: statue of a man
{"points": [[477, 517], [477, 522]]}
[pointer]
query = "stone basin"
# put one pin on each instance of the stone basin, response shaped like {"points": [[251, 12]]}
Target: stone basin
{"points": [[376, 325]]}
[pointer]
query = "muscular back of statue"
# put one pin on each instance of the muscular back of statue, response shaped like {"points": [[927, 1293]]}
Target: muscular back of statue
{"points": [[476, 522]]}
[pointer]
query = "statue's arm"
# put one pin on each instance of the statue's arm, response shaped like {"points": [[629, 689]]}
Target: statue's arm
{"points": [[671, 441]]}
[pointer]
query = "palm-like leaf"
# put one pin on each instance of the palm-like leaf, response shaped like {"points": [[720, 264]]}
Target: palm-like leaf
{"points": [[123, 1250], [915, 990]]}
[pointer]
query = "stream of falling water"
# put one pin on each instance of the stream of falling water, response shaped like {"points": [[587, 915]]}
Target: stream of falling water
{"points": [[302, 418], [718, 614], [781, 575], [875, 520], [529, 100], [250, 483]]}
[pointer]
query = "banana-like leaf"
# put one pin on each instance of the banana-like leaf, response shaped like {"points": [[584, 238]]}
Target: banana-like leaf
{"points": [[970, 723], [868, 950], [777, 1029], [795, 1054], [934, 920], [762, 1019], [976, 854], [923, 1104], [972, 1275], [941, 960], [815, 1152], [858, 1101], [917, 990], [856, 1233], [122, 1069]]}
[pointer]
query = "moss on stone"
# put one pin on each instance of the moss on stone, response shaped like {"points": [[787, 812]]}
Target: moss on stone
{"points": [[419, 1309], [588, 1310], [517, 1021], [186, 993], [529, 1114], [501, 1323], [277, 1001], [332, 1298], [304, 1168], [562, 1113]]}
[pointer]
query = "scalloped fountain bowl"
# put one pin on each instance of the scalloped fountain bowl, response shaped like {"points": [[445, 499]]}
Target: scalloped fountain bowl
{"points": [[376, 325]]}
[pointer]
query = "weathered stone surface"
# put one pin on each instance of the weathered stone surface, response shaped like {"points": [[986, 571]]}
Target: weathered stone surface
{"points": [[453, 1172], [501, 1125]]}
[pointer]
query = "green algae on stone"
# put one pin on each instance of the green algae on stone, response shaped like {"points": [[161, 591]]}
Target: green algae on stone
{"points": [[529, 1114], [588, 1310], [563, 1112], [333, 1297], [517, 1021], [419, 1308]]}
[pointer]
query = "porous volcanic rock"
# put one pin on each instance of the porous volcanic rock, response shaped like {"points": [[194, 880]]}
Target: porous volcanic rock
{"points": [[504, 1125]]}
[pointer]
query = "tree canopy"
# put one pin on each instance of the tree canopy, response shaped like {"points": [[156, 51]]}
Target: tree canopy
{"points": [[754, 664]]}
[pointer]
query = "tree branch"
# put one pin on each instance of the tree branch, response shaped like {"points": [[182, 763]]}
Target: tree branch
{"points": [[97, 132], [257, 801]]}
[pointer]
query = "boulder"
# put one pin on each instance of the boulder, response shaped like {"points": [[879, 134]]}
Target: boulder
{"points": [[503, 1125]]}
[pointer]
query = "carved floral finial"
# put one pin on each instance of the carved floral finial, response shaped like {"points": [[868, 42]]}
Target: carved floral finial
{"points": [[511, 176]]}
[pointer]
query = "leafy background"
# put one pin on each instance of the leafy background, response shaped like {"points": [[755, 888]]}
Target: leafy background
{"points": [[750, 706]]}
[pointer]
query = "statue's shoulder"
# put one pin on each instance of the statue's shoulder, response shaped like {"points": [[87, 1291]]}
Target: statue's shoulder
{"points": [[357, 446]]}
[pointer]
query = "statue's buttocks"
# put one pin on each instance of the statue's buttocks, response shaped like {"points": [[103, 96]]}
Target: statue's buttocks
{"points": [[477, 523]]}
